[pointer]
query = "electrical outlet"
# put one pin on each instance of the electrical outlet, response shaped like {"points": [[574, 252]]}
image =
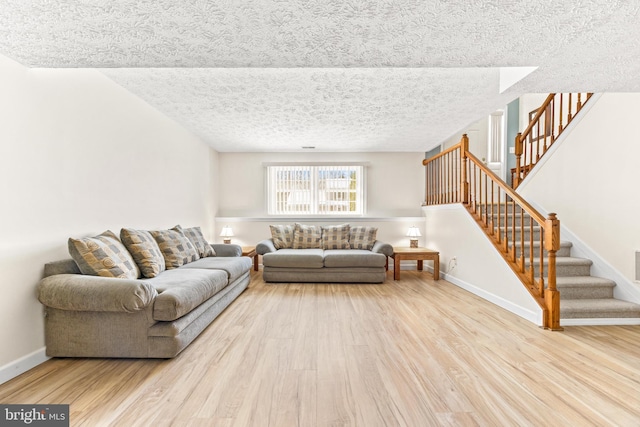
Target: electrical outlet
{"points": [[453, 263]]}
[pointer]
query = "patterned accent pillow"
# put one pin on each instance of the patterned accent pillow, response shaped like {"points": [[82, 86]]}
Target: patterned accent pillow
{"points": [[307, 237], [335, 236], [362, 237], [176, 249], [282, 235], [195, 236], [145, 251], [103, 255]]}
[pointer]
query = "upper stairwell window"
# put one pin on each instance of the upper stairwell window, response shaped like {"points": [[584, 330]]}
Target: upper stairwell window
{"points": [[326, 189]]}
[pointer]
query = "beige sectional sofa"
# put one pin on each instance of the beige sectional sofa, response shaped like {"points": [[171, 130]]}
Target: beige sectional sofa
{"points": [[108, 302], [324, 254]]}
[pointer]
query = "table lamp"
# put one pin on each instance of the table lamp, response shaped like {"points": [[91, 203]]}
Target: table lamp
{"points": [[413, 234], [227, 233]]}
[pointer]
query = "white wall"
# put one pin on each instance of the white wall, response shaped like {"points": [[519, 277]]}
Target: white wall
{"points": [[591, 181], [395, 183], [480, 268], [593, 172], [79, 155], [528, 103], [478, 134]]}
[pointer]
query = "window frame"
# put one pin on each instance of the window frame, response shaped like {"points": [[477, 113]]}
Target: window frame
{"points": [[316, 199]]}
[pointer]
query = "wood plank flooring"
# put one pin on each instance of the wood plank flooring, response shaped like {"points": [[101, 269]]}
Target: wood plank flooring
{"points": [[409, 353]]}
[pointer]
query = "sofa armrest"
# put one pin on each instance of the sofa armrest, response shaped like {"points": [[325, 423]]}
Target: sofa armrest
{"points": [[227, 249], [78, 292], [265, 246], [382, 248]]}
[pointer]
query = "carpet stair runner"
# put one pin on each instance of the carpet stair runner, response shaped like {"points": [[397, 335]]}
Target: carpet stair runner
{"points": [[583, 298]]}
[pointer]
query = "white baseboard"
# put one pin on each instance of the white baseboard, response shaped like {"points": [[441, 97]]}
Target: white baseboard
{"points": [[499, 301], [22, 365]]}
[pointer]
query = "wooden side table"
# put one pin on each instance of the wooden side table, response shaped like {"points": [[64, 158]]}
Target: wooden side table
{"points": [[417, 254], [250, 251]]}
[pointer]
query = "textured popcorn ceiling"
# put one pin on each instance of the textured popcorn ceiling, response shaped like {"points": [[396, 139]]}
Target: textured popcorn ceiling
{"points": [[342, 75]]}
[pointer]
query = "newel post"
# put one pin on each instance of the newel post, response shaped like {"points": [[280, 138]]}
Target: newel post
{"points": [[518, 151], [464, 184], [551, 293]]}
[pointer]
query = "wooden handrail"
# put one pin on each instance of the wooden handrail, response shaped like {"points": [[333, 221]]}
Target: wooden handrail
{"points": [[508, 190], [508, 220], [441, 154], [544, 128]]}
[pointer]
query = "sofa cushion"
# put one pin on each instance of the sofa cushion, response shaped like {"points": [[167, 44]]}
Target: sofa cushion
{"points": [[307, 237], [195, 236], [176, 249], [144, 250], [307, 258], [235, 267], [335, 236], [362, 237], [353, 258], [282, 235], [181, 290], [103, 255]]}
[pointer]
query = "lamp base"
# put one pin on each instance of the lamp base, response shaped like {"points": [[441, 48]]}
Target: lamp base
{"points": [[413, 243], [227, 241]]}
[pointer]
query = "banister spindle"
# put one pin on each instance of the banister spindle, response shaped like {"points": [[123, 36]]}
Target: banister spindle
{"points": [[570, 108], [463, 154], [560, 126]]}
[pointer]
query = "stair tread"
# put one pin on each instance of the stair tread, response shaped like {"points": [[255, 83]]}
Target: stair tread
{"points": [[569, 260], [565, 244], [586, 281]]}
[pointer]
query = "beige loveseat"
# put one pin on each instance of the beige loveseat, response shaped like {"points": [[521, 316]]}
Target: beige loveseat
{"points": [[125, 314], [324, 254]]}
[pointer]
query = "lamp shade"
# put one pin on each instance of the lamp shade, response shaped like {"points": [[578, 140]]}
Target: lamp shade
{"points": [[414, 232], [227, 233]]}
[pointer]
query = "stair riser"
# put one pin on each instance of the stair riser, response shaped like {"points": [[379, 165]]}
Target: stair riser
{"points": [[563, 251], [527, 234], [509, 219], [499, 209], [585, 293], [572, 270]]}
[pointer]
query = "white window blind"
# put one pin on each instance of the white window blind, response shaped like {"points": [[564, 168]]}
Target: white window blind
{"points": [[315, 189]]}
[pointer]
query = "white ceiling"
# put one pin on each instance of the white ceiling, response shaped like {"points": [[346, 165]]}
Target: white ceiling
{"points": [[340, 75]]}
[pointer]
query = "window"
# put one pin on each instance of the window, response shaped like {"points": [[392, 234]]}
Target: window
{"points": [[315, 189]]}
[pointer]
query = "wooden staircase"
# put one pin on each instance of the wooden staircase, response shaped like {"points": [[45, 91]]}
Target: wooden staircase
{"points": [[528, 241], [584, 298]]}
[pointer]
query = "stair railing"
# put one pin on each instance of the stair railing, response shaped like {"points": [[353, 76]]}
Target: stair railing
{"points": [[553, 116], [525, 238]]}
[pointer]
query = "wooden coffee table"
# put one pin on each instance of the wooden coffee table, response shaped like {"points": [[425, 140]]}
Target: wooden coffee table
{"points": [[250, 251], [417, 254]]}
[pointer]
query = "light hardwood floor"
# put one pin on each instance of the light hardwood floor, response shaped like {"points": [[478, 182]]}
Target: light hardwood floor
{"points": [[409, 353]]}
